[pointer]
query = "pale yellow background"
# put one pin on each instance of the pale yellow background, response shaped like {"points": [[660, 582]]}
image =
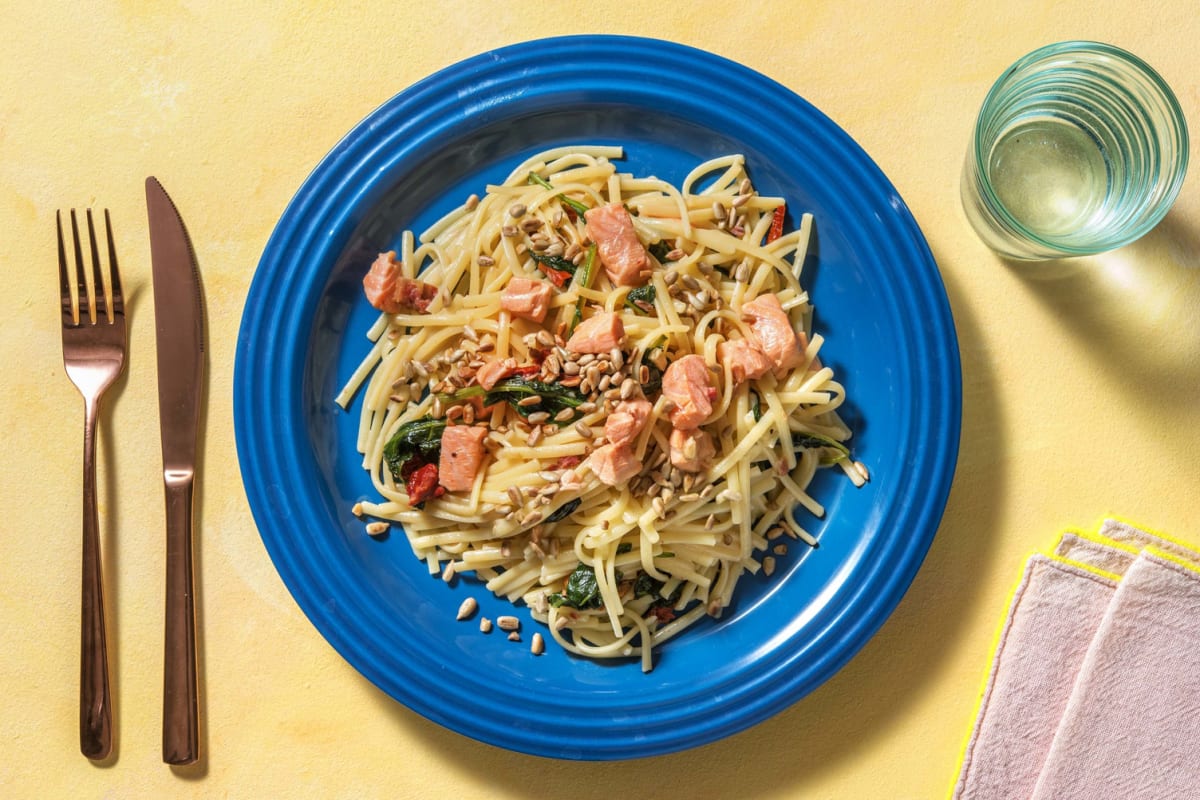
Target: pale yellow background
{"points": [[1080, 382]]}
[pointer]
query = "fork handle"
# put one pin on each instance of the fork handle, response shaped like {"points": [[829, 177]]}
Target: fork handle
{"points": [[95, 701], [180, 705]]}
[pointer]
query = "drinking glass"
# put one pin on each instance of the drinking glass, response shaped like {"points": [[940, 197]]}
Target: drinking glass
{"points": [[1079, 148]]}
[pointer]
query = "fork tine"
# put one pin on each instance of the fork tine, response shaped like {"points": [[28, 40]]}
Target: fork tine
{"points": [[81, 274], [114, 274], [99, 297], [70, 313]]}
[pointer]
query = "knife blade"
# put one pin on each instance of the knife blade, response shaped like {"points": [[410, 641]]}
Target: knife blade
{"points": [[179, 341]]}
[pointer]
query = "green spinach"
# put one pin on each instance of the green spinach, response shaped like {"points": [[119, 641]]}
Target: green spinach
{"points": [[815, 441], [421, 438], [554, 396], [641, 299], [582, 590], [574, 205]]}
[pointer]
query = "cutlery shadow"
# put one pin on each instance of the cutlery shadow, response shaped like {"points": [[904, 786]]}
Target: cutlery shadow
{"points": [[862, 702]]}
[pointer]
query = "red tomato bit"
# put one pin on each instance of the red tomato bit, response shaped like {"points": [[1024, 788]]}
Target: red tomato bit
{"points": [[777, 223], [422, 483]]}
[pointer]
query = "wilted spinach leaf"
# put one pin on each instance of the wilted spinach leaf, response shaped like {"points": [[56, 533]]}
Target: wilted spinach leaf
{"points": [[421, 437]]}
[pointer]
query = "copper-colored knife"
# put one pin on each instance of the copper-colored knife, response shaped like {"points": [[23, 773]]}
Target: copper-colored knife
{"points": [[179, 329]]}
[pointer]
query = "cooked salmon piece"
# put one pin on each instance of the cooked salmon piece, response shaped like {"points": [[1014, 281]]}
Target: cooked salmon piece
{"points": [[492, 372], [688, 385], [598, 333], [773, 333], [462, 453], [691, 451], [527, 298], [626, 421], [745, 361], [621, 252], [614, 464], [389, 291], [379, 284]]}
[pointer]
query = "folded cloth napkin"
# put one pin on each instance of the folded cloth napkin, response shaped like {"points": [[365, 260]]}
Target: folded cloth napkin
{"points": [[1108, 555], [1051, 620], [1049, 631], [1131, 728]]}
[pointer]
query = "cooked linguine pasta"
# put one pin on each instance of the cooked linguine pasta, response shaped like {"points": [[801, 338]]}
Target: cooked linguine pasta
{"points": [[620, 492]]}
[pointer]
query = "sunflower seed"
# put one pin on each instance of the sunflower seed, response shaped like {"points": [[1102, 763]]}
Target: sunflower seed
{"points": [[467, 608]]}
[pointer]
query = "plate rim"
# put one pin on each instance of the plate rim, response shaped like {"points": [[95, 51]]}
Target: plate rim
{"points": [[347, 151]]}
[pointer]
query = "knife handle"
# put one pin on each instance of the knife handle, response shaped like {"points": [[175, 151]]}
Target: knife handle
{"points": [[181, 740]]}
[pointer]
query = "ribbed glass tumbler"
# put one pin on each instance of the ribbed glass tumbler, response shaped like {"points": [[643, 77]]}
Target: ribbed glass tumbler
{"points": [[1079, 148]]}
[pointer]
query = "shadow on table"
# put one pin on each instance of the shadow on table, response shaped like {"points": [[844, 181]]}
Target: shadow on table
{"points": [[841, 719], [1137, 310]]}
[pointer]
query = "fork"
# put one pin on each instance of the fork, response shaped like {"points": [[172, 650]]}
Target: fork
{"points": [[94, 341]]}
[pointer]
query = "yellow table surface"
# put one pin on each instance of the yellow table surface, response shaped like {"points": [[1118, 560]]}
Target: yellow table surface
{"points": [[1080, 383]]}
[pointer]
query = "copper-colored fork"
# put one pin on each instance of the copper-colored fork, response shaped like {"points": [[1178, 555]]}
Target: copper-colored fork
{"points": [[93, 336]]}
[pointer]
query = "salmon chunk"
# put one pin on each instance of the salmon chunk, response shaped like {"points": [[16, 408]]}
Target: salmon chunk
{"points": [[598, 333], [773, 333], [691, 451], [687, 384], [614, 464], [493, 372], [462, 453], [621, 252], [745, 361], [626, 421], [527, 298], [389, 291], [379, 284]]}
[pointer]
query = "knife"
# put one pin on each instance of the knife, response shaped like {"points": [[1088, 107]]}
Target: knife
{"points": [[179, 331]]}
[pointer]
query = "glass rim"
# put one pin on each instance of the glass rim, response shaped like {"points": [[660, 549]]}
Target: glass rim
{"points": [[1103, 49]]}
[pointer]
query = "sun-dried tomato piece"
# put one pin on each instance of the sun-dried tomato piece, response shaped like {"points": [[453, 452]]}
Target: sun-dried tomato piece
{"points": [[422, 484], [777, 223]]}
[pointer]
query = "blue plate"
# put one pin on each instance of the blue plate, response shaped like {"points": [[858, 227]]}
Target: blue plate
{"points": [[879, 302]]}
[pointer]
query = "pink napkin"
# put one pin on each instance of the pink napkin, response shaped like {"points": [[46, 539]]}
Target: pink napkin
{"points": [[1050, 624], [1131, 728], [1106, 555], [1066, 659]]}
